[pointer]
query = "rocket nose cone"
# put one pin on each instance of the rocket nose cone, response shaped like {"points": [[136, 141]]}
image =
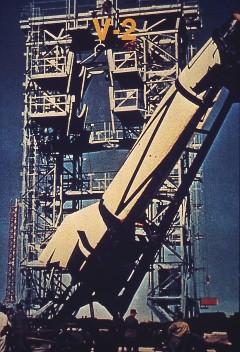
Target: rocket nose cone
{"points": [[237, 16]]}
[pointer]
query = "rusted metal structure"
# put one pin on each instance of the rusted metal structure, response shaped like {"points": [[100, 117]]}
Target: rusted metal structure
{"points": [[10, 297]]}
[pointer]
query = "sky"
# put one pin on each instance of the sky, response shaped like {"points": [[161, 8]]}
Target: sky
{"points": [[221, 167]]}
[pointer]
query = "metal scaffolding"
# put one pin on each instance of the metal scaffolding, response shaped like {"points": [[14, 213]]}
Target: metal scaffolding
{"points": [[87, 99], [10, 297]]}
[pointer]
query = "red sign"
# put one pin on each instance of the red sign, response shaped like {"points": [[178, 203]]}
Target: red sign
{"points": [[208, 301]]}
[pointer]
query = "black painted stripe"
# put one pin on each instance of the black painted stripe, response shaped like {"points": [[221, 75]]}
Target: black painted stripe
{"points": [[85, 241], [187, 94]]}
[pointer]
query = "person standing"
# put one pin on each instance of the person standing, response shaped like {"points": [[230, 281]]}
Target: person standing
{"points": [[4, 324], [107, 7], [131, 331], [19, 324]]}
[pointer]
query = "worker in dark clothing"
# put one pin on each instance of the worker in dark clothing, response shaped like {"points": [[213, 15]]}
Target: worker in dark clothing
{"points": [[131, 332], [19, 325], [119, 327], [107, 7]]}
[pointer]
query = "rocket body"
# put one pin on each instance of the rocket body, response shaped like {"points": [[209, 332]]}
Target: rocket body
{"points": [[147, 166]]}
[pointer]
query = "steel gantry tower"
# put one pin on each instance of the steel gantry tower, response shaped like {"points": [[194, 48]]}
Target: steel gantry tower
{"points": [[10, 297], [88, 94]]}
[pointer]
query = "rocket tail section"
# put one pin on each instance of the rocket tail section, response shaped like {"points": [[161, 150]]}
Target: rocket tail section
{"points": [[75, 239]]}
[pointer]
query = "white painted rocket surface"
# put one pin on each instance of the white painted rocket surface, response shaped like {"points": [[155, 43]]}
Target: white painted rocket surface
{"points": [[147, 166]]}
